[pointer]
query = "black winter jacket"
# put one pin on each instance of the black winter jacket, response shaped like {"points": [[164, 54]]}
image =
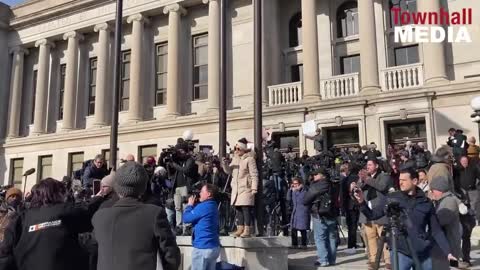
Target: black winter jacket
{"points": [[466, 178], [46, 238], [91, 173], [131, 234], [315, 192]]}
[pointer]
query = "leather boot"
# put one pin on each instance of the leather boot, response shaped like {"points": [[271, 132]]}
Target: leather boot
{"points": [[247, 232], [239, 231]]}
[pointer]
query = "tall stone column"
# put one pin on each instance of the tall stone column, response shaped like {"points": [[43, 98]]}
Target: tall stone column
{"points": [[101, 84], [16, 88], [435, 68], [311, 75], [213, 54], [368, 48], [135, 111], [70, 80], [174, 12], [43, 72]]}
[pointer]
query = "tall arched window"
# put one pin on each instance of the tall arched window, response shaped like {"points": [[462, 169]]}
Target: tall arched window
{"points": [[347, 19], [295, 30], [405, 5]]}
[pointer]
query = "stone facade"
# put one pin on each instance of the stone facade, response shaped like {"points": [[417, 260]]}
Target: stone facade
{"points": [[40, 36]]}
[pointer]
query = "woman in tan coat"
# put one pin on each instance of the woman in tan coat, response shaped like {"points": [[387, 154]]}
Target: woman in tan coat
{"points": [[243, 169]]}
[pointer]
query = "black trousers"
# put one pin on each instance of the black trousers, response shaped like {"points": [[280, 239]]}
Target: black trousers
{"points": [[468, 223], [303, 233], [352, 225], [244, 215]]}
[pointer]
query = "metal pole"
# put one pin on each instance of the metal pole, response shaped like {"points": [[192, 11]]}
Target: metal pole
{"points": [[257, 77], [222, 121], [116, 85]]}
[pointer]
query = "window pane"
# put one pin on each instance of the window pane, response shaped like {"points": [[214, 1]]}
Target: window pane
{"points": [[342, 136], [124, 105], [203, 74], [201, 55], [203, 90], [201, 40], [126, 71], [147, 151], [162, 81], [126, 89]]}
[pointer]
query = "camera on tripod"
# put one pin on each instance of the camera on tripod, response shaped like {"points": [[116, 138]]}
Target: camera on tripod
{"points": [[393, 209]]}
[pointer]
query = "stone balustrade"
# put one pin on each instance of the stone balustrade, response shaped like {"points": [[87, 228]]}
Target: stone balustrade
{"points": [[285, 94], [340, 86], [402, 77]]}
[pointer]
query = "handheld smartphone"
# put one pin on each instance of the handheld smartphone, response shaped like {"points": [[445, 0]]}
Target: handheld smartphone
{"points": [[96, 186]]}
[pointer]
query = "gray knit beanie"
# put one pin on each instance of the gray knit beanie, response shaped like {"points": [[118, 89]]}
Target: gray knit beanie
{"points": [[439, 183], [131, 180]]}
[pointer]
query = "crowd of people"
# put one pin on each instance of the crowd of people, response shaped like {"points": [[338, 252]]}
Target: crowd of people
{"points": [[84, 221]]}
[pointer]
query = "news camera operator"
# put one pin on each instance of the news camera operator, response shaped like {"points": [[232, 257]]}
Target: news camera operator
{"points": [[418, 217], [185, 175], [202, 213]]}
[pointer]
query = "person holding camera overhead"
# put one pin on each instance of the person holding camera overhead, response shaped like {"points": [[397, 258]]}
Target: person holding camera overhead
{"points": [[416, 219], [184, 177], [202, 213], [243, 169]]}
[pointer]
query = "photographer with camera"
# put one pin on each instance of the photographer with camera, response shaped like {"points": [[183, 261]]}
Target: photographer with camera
{"points": [[185, 173], [202, 213], [321, 198], [376, 185], [243, 169], [413, 214]]}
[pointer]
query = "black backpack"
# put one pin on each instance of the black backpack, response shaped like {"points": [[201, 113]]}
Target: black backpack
{"points": [[325, 203]]}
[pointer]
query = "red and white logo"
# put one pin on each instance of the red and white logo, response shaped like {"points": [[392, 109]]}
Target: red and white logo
{"points": [[422, 27]]}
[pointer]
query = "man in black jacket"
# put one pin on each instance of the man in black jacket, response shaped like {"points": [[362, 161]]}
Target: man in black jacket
{"points": [[417, 215], [465, 180], [349, 207], [322, 197], [185, 177], [132, 234]]}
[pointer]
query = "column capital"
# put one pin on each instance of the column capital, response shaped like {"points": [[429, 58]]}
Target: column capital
{"points": [[208, 1], [44, 42], [18, 50], [102, 27], [174, 8], [73, 34], [137, 18]]}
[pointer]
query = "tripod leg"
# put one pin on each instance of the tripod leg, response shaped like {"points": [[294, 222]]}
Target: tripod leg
{"points": [[416, 261], [378, 257]]}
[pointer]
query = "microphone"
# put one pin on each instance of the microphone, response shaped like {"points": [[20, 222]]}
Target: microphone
{"points": [[29, 172]]}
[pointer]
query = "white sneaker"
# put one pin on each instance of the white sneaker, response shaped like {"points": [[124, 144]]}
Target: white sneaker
{"points": [[351, 251]]}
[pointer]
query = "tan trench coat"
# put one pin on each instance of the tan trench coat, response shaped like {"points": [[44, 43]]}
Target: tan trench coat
{"points": [[244, 179]]}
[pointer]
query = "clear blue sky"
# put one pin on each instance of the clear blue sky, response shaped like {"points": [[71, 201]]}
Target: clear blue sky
{"points": [[11, 2]]}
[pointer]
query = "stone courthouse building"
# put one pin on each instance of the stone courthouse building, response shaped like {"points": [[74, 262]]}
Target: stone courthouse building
{"points": [[331, 61]]}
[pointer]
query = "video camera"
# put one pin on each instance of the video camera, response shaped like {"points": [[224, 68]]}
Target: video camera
{"points": [[393, 209]]}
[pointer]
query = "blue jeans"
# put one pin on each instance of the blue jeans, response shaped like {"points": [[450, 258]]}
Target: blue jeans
{"points": [[325, 234], [406, 263], [205, 259]]}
